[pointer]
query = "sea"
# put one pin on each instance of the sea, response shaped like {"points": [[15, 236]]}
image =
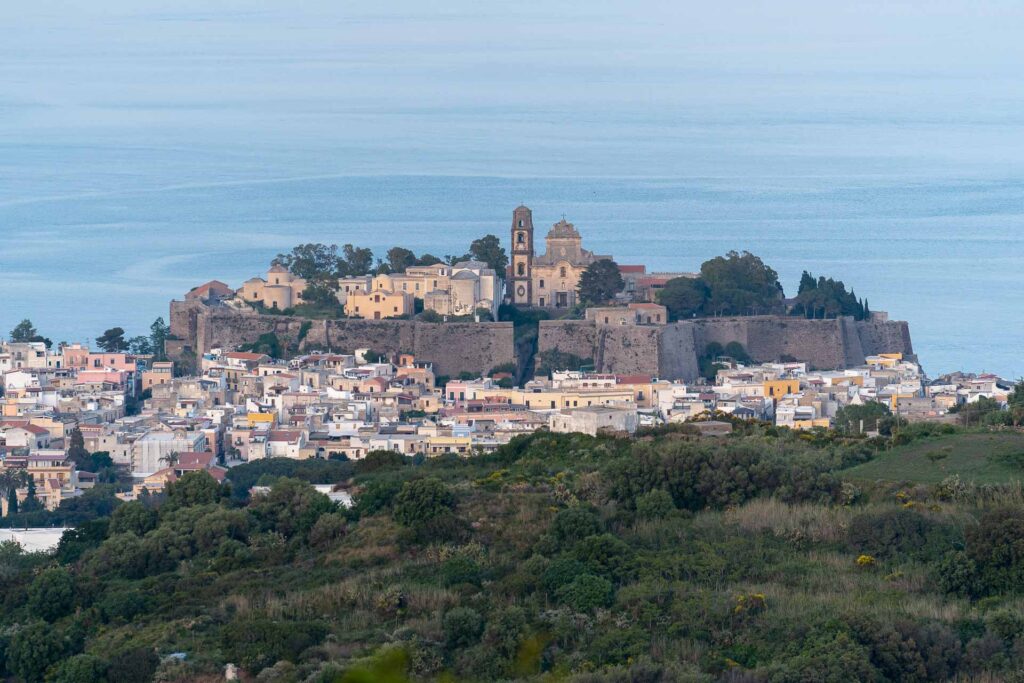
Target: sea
{"points": [[147, 147]]}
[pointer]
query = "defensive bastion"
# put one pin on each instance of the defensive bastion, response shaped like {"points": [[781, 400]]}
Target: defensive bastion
{"points": [[671, 351], [668, 351], [452, 347]]}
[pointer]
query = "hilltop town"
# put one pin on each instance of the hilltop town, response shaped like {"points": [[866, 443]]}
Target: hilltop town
{"points": [[605, 365], [492, 467]]}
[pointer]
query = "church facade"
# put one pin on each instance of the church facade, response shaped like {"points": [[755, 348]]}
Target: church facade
{"points": [[547, 280]]}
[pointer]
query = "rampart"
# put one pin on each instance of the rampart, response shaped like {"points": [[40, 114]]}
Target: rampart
{"points": [[452, 347], [671, 351], [668, 351]]}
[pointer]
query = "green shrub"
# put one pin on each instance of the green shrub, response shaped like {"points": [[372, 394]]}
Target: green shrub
{"points": [[133, 517], [996, 545], [79, 669], [135, 665], [902, 534], [586, 593], [257, 642], [421, 500], [52, 594], [33, 648], [460, 569], [654, 504], [462, 627]]}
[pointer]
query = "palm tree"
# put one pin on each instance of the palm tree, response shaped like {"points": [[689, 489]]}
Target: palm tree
{"points": [[171, 458]]}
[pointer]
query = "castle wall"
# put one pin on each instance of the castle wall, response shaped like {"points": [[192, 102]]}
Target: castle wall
{"points": [[578, 337], [452, 347], [677, 352], [629, 350], [669, 351]]}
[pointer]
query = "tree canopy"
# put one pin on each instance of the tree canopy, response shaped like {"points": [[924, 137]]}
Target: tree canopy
{"points": [[684, 297], [740, 283], [25, 331], [112, 340], [826, 298], [489, 250], [600, 282]]}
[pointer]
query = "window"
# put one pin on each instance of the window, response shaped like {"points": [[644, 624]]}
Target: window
{"points": [[520, 222], [562, 271], [542, 284], [521, 269], [542, 301], [520, 237]]}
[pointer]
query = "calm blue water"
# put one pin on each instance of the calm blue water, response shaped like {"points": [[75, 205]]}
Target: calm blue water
{"points": [[148, 147]]}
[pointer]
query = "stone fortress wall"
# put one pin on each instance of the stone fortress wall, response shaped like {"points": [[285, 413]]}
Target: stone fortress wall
{"points": [[668, 351], [452, 347], [671, 351]]}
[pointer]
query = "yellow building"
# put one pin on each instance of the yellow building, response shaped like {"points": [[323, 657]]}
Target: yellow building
{"points": [[547, 280], [777, 388], [379, 304], [448, 290], [439, 445], [162, 372], [280, 290], [255, 419], [557, 399]]}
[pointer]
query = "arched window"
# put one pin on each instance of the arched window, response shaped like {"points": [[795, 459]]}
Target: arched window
{"points": [[521, 269], [520, 237], [520, 222]]}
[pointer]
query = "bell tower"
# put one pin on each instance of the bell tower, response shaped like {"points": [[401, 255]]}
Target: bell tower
{"points": [[522, 257]]}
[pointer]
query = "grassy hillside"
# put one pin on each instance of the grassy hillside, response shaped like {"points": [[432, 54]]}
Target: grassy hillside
{"points": [[982, 458], [559, 558]]}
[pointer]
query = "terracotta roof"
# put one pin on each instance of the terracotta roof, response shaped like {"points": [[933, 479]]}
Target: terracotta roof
{"points": [[207, 286], [285, 435], [632, 269], [242, 355], [633, 379]]}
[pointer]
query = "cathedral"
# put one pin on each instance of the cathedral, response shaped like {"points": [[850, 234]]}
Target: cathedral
{"points": [[548, 280]]}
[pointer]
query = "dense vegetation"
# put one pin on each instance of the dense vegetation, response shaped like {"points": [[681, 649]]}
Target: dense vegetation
{"points": [[559, 557], [319, 263], [734, 284], [742, 284], [827, 298]]}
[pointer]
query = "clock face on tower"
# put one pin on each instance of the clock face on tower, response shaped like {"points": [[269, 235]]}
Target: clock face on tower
{"points": [[521, 291]]}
